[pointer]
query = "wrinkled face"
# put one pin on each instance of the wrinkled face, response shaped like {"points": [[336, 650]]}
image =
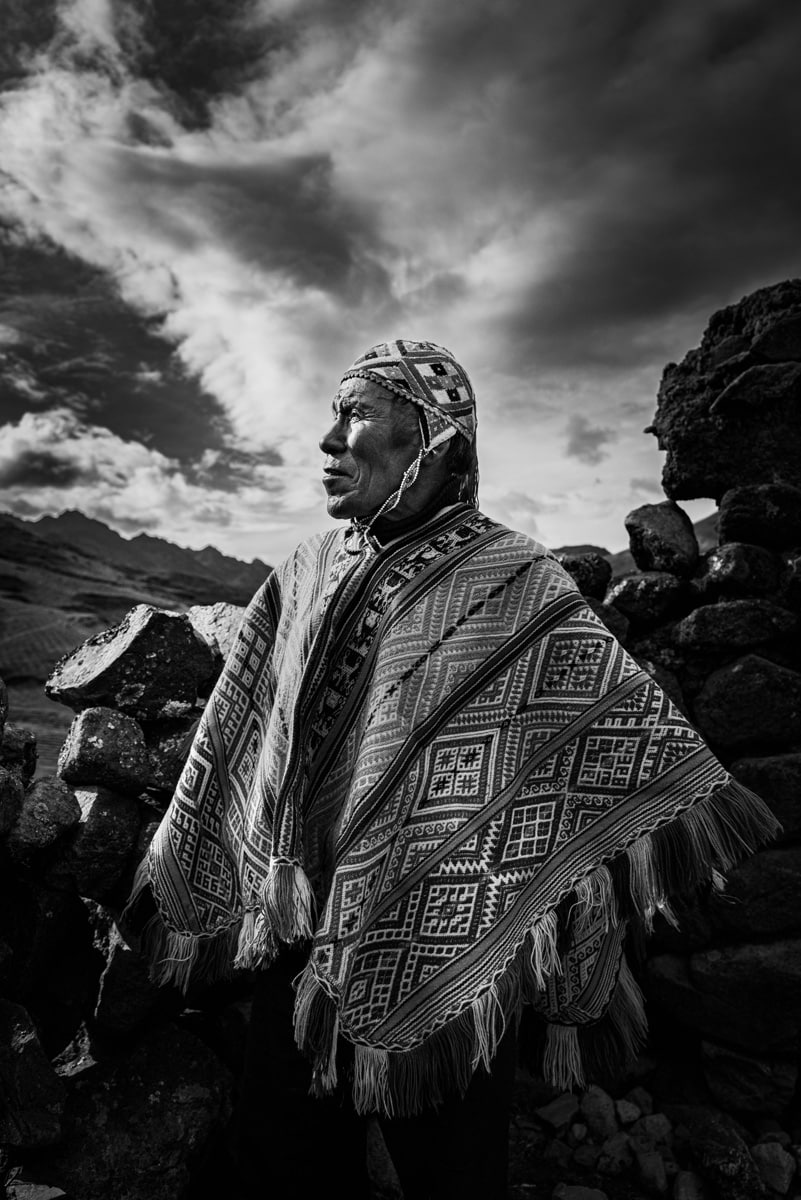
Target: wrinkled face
{"points": [[372, 441]]}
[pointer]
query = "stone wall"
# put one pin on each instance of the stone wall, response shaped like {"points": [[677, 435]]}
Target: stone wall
{"points": [[105, 1078]]}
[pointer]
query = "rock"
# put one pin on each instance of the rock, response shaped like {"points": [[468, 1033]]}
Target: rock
{"points": [[687, 1186], [105, 837], [33, 1097], [641, 1098], [149, 666], [626, 1112], [49, 811], [734, 626], [136, 1124], [777, 779], [3, 705], [776, 1166], [613, 619], [617, 1154], [558, 1152], [108, 748], [217, 625], [708, 451], [718, 1146], [766, 514], [11, 797], [753, 992], [24, 1190], [598, 1110], [168, 745], [745, 1083], [780, 342], [560, 1113], [576, 1191], [762, 898], [128, 997], [737, 570], [769, 387], [647, 599], [662, 538], [53, 969], [751, 702], [587, 1156], [18, 751], [745, 995], [651, 1170], [591, 572], [653, 1131]]}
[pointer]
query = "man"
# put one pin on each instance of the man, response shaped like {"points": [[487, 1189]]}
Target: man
{"points": [[429, 789]]}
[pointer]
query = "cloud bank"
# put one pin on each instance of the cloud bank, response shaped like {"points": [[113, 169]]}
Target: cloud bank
{"points": [[559, 192]]}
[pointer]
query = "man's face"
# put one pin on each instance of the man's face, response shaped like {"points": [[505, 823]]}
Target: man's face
{"points": [[372, 441]]}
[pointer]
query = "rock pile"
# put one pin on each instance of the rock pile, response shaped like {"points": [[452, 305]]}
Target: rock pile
{"points": [[109, 1085]]}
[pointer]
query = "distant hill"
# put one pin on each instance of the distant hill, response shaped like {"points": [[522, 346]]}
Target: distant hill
{"points": [[64, 578]]}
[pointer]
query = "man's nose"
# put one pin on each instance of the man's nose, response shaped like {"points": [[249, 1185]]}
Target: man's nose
{"points": [[333, 442]]}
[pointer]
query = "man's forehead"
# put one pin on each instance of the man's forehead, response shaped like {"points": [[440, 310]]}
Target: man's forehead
{"points": [[365, 390]]}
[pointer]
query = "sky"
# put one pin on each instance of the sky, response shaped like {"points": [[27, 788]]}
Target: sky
{"points": [[209, 208]]}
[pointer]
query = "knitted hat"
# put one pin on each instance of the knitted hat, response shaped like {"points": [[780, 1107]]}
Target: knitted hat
{"points": [[429, 376]]}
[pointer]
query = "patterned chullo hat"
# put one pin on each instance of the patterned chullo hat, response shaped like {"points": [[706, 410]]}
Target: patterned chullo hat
{"points": [[429, 376]]}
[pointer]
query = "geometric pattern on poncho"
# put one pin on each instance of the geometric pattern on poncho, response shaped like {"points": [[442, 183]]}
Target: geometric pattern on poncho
{"points": [[479, 744]]}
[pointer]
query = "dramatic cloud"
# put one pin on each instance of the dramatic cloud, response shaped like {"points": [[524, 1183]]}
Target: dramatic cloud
{"points": [[585, 441], [560, 192], [74, 465]]}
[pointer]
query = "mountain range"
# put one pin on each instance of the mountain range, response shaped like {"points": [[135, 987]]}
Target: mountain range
{"points": [[65, 578]]}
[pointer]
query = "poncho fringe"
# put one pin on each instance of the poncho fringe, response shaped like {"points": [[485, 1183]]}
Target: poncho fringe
{"points": [[676, 860]]}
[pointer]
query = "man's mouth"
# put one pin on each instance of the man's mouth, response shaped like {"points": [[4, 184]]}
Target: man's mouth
{"points": [[333, 472]]}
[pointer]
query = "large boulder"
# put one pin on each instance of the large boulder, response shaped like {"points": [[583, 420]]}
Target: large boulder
{"points": [[767, 514], [662, 538], [18, 752], [31, 1092], [717, 1144], [168, 744], [151, 665], [647, 598], [52, 968], [777, 779], [746, 996], [217, 625], [95, 857], [727, 415], [762, 898], [734, 626], [737, 570], [751, 702], [137, 1124], [747, 1083], [106, 747], [128, 998], [590, 572], [48, 812]]}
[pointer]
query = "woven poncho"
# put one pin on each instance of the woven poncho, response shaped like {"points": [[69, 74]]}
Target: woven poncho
{"points": [[437, 764]]}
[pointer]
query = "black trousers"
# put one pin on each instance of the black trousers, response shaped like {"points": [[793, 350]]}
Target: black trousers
{"points": [[288, 1143]]}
